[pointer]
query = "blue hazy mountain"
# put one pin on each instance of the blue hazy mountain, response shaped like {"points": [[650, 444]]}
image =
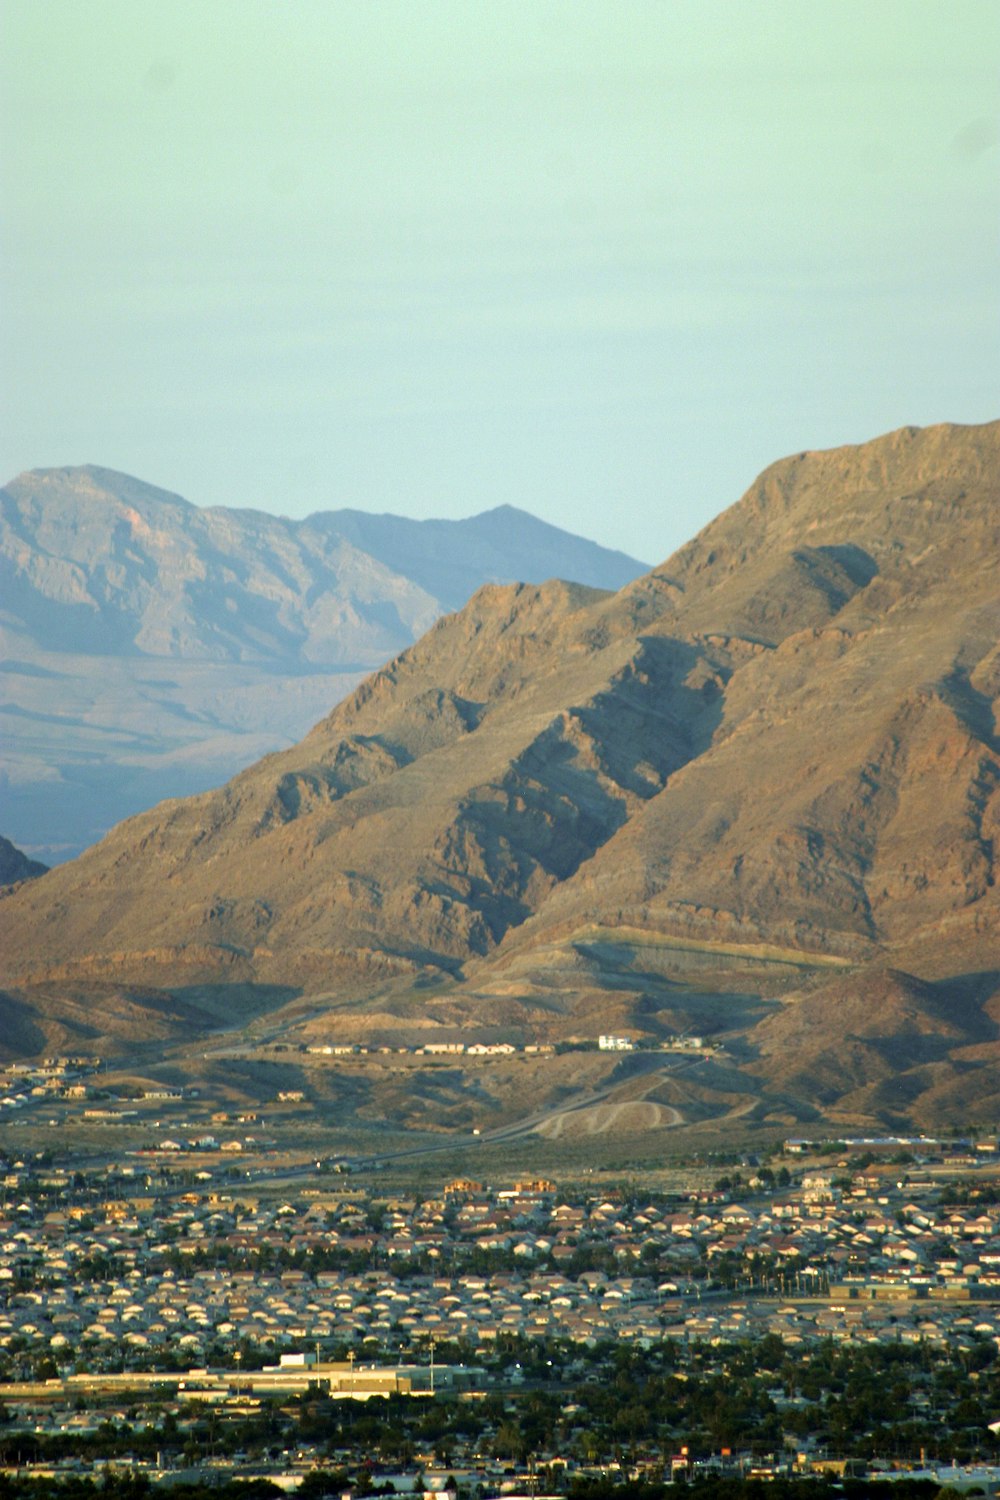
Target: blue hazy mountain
{"points": [[152, 647]]}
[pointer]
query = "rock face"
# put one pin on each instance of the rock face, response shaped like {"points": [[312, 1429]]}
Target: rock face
{"points": [[178, 644], [781, 747]]}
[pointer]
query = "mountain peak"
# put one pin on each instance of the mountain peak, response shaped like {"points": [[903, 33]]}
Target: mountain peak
{"points": [[753, 797], [190, 640]]}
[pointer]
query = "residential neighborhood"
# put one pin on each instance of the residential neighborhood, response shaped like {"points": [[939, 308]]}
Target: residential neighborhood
{"points": [[136, 1282]]}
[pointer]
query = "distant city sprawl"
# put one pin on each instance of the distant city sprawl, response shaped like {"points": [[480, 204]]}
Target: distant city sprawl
{"points": [[158, 1317]]}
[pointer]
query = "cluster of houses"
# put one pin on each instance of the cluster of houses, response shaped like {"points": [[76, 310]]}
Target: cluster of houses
{"points": [[24, 1083], [879, 1259], [431, 1049], [605, 1043], [105, 1278]]}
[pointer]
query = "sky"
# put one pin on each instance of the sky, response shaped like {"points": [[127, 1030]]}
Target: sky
{"points": [[603, 261]]}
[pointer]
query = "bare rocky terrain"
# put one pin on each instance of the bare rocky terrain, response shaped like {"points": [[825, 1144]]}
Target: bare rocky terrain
{"points": [[152, 648], [753, 795]]}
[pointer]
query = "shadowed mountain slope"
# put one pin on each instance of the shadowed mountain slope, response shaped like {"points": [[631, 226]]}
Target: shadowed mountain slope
{"points": [[783, 741], [15, 865]]}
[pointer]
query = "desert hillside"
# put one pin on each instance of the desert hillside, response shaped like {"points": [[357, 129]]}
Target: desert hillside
{"points": [[779, 749], [152, 648]]}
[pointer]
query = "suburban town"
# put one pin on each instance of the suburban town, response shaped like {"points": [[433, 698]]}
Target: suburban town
{"points": [[165, 1316]]}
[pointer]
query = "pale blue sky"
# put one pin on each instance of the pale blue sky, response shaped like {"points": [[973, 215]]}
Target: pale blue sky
{"points": [[600, 260]]}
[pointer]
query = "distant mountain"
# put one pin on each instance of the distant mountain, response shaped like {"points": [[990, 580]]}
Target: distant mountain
{"points": [[15, 865], [753, 795], [152, 648]]}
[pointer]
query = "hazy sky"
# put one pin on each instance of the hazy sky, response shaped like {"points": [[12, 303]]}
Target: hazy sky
{"points": [[600, 260]]}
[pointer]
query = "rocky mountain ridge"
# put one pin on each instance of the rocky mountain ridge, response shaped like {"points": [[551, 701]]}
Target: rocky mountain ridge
{"points": [[769, 768], [151, 648]]}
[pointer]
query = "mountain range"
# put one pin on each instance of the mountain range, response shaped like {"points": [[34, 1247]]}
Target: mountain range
{"points": [[753, 794], [152, 648]]}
